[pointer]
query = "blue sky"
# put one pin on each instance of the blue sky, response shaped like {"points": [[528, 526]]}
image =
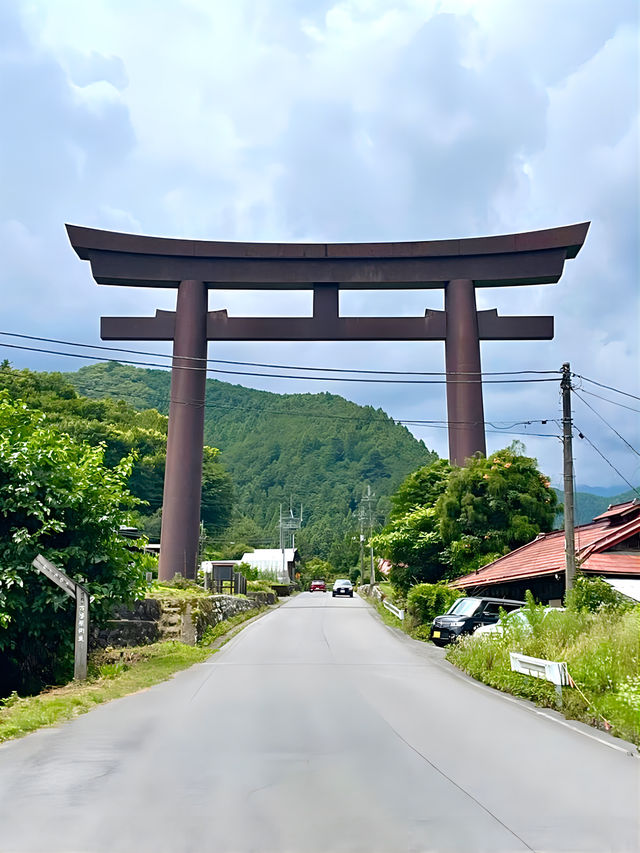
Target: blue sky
{"points": [[320, 121]]}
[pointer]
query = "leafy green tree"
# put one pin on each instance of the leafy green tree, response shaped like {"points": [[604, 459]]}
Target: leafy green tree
{"points": [[491, 506], [412, 540], [448, 521], [58, 498], [123, 431], [345, 552]]}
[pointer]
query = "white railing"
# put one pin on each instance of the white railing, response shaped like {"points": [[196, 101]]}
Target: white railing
{"points": [[395, 610], [554, 671]]}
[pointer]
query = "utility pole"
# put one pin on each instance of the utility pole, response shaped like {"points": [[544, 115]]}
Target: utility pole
{"points": [[567, 447], [368, 500], [361, 519], [288, 524]]}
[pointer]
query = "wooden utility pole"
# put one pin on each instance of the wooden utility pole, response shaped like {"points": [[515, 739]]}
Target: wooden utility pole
{"points": [[567, 446]]}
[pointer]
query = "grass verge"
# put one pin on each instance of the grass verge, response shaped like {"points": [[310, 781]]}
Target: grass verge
{"points": [[386, 615], [225, 630], [113, 673], [116, 673], [602, 653]]}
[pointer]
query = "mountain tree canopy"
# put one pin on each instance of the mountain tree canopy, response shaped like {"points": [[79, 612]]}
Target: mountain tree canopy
{"points": [[449, 521], [122, 430], [318, 450]]}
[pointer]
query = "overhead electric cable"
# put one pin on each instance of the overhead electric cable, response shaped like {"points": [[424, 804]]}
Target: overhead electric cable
{"points": [[276, 375], [608, 387], [613, 429], [609, 463], [607, 400], [276, 366]]}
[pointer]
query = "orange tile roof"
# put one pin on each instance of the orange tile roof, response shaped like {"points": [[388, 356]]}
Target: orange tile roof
{"points": [[615, 510], [545, 555], [613, 563]]}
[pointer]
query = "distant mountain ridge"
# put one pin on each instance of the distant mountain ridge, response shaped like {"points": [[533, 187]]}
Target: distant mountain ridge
{"points": [[588, 505], [318, 450]]}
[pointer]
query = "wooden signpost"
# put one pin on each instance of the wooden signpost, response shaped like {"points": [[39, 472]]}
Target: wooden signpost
{"points": [[74, 590]]}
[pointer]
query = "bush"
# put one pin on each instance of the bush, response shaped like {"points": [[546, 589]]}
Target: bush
{"points": [[595, 594], [259, 586], [57, 498], [601, 650], [425, 601]]}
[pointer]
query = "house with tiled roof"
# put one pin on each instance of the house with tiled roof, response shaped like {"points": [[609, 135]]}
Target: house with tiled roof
{"points": [[609, 547]]}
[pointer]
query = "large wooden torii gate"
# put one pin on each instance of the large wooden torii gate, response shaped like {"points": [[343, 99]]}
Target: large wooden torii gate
{"points": [[195, 266]]}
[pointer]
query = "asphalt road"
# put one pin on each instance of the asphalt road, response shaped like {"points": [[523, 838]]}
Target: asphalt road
{"points": [[318, 729]]}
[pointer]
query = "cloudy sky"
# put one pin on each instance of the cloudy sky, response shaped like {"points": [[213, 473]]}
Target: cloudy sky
{"points": [[337, 120]]}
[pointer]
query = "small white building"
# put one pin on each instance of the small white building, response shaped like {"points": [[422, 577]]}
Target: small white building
{"points": [[274, 562]]}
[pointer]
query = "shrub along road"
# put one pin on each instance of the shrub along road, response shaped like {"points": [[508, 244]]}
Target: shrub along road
{"points": [[317, 728]]}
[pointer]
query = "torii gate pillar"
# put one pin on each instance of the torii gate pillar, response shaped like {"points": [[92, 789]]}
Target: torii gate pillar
{"points": [[465, 410], [183, 473]]}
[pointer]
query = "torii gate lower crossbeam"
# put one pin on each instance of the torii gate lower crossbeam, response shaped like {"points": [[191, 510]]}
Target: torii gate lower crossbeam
{"points": [[194, 267]]}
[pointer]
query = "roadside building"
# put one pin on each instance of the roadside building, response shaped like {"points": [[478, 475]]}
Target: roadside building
{"points": [[274, 563], [608, 547]]}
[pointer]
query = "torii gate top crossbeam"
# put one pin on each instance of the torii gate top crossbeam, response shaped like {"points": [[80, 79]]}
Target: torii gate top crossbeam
{"points": [[534, 257]]}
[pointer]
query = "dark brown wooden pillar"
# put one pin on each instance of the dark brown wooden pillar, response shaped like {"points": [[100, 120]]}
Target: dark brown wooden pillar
{"points": [[183, 474], [465, 410]]}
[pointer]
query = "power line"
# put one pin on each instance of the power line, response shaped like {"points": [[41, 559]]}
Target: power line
{"points": [[279, 375], [610, 464], [275, 366], [607, 400], [608, 387], [621, 437], [431, 423]]}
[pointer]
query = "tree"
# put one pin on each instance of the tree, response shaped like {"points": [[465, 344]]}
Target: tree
{"points": [[58, 498], [123, 431], [448, 521], [492, 506], [412, 541]]}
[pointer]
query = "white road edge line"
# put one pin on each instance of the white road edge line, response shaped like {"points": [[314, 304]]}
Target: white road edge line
{"points": [[585, 734], [515, 701]]}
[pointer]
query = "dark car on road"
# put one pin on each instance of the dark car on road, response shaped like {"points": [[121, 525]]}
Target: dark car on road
{"points": [[467, 614], [342, 587], [318, 586]]}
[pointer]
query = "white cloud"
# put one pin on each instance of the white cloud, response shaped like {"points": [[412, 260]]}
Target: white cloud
{"points": [[353, 120]]}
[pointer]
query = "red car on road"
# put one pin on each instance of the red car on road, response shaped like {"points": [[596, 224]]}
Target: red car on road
{"points": [[318, 586]]}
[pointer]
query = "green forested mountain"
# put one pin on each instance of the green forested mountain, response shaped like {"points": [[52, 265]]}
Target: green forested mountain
{"points": [[122, 430], [588, 505], [316, 449]]}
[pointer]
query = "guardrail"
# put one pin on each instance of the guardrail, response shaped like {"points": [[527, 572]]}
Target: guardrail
{"points": [[553, 671], [395, 610]]}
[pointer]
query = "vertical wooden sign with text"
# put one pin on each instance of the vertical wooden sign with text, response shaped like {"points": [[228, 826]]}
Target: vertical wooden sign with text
{"points": [[79, 593]]}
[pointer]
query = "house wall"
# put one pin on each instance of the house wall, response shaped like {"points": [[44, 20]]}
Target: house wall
{"points": [[545, 589]]}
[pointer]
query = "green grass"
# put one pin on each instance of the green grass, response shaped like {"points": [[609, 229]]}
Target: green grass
{"points": [[388, 591], [115, 673], [214, 632], [602, 653], [386, 615], [160, 591]]}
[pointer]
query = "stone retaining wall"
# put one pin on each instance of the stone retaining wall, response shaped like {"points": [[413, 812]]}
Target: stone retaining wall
{"points": [[151, 620]]}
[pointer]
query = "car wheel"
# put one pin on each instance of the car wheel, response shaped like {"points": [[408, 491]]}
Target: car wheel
{"points": [[333, 595], [350, 595]]}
